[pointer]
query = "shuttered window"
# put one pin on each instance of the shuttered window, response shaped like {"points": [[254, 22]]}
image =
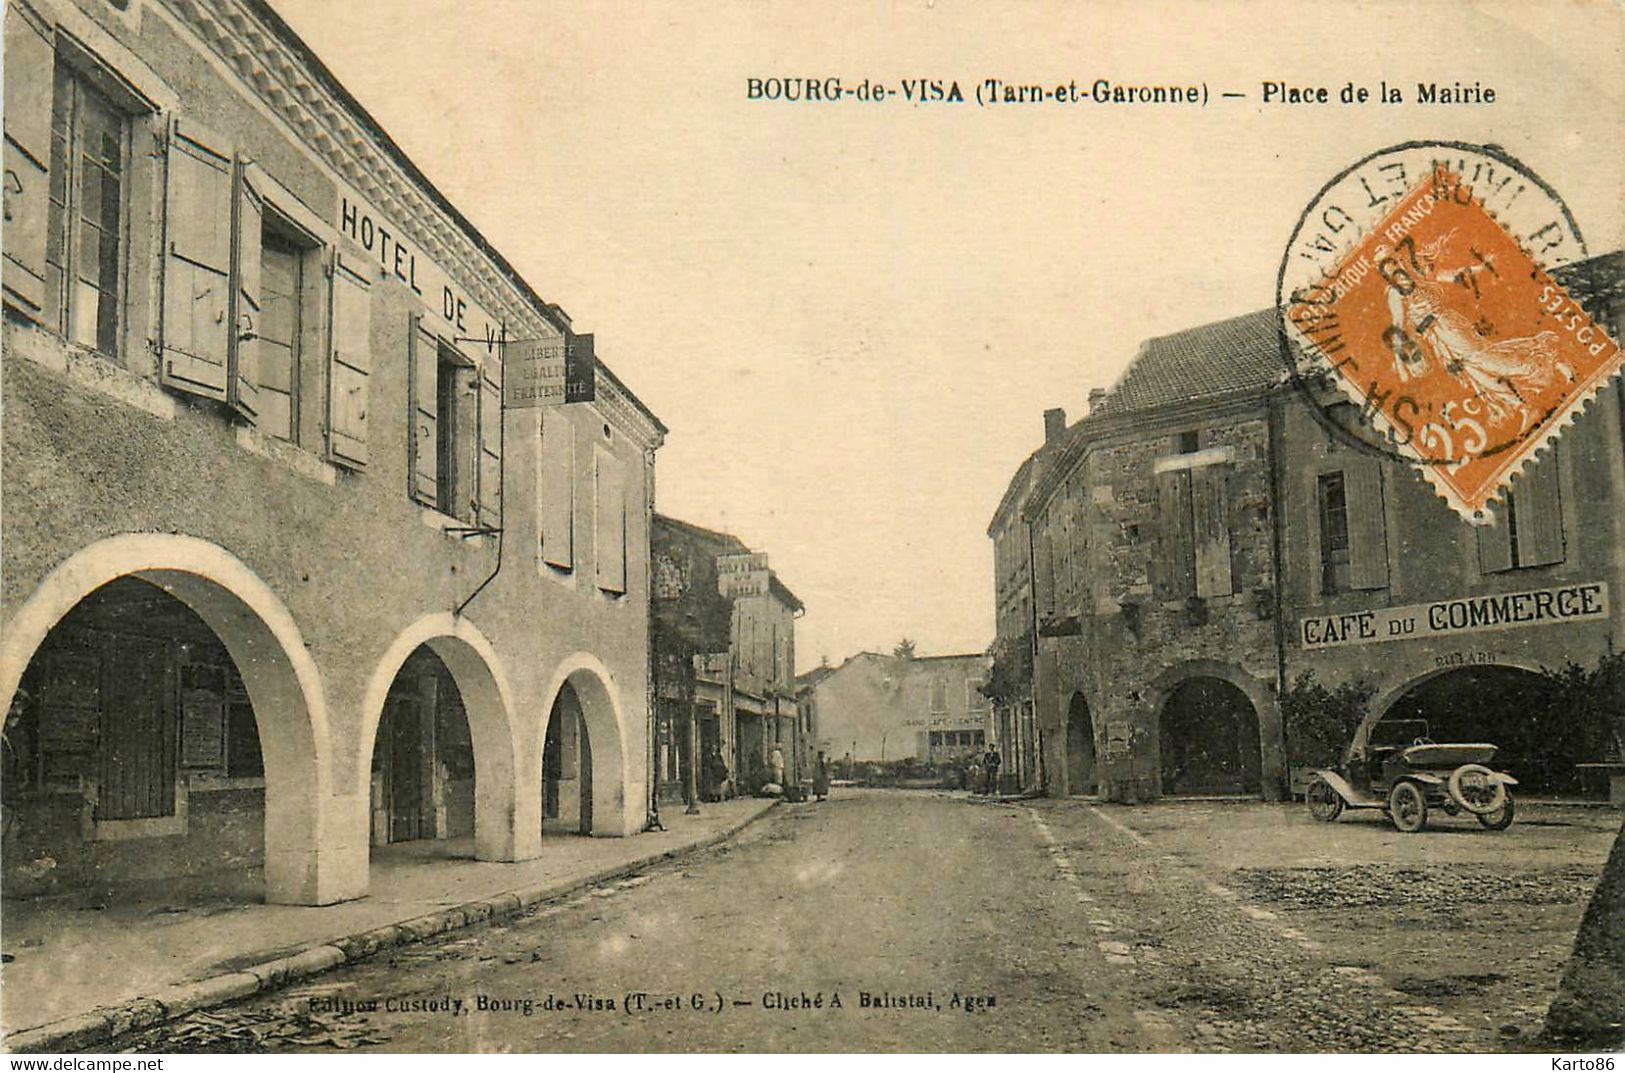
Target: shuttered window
{"points": [[30, 69], [1367, 527], [489, 477], [609, 523], [197, 262], [556, 494], [1175, 574], [349, 366], [1210, 517], [1529, 529], [423, 439], [1331, 497]]}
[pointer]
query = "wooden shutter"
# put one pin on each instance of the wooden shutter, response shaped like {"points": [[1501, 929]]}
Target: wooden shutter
{"points": [[1176, 566], [1540, 512], [1495, 544], [1210, 514], [1368, 530], [490, 454], [423, 422], [30, 68], [349, 366], [243, 385], [197, 262], [557, 490], [609, 523]]}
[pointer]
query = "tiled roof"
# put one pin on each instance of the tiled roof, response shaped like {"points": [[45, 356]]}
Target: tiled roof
{"points": [[1212, 359]]}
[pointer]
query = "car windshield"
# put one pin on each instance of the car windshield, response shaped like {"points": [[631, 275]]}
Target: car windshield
{"points": [[1391, 733]]}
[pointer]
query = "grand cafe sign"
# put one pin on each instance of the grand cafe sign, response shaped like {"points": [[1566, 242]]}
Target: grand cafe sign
{"points": [[1471, 614]]}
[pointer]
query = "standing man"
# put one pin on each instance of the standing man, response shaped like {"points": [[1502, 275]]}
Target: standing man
{"points": [[991, 764]]}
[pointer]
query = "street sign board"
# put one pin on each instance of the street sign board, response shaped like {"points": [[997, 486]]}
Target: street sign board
{"points": [[711, 664], [534, 370], [742, 575], [549, 372]]}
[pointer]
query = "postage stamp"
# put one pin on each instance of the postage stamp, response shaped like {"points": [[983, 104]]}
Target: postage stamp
{"points": [[1422, 292]]}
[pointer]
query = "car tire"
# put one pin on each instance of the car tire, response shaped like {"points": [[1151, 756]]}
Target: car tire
{"points": [[1408, 807], [1325, 803], [1475, 801], [1501, 818]]}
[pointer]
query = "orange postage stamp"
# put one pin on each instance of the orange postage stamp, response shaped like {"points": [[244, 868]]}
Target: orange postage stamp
{"points": [[1446, 330]]}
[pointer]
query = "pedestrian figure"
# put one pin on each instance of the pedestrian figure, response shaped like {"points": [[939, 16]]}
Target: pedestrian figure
{"points": [[991, 764], [973, 774], [821, 778]]}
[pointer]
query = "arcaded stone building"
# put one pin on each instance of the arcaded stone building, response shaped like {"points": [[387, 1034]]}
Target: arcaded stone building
{"points": [[1206, 540], [284, 581]]}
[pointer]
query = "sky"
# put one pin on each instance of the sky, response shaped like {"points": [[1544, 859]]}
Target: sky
{"points": [[851, 316]]}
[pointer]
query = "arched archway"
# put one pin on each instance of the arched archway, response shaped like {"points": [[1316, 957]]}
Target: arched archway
{"points": [[148, 577], [453, 646], [1504, 704], [1208, 729], [587, 782], [1080, 747]]}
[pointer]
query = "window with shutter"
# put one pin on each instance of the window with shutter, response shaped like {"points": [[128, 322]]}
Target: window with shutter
{"points": [[1495, 541], [84, 225], [1210, 522], [1367, 528], [244, 345], [197, 262], [1331, 497], [1538, 508], [609, 523], [556, 494], [29, 73], [1176, 559], [423, 439], [349, 366], [490, 461]]}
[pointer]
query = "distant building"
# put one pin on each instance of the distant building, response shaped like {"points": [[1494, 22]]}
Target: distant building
{"points": [[1202, 541], [725, 666], [881, 708]]}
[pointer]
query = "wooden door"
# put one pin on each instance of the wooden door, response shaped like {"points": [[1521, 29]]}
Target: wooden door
{"points": [[402, 783], [137, 729]]}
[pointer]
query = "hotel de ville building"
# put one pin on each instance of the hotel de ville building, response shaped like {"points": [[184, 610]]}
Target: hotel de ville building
{"points": [[284, 582]]}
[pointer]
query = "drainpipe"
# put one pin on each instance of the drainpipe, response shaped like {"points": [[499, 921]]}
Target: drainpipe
{"points": [[1277, 510], [652, 821]]}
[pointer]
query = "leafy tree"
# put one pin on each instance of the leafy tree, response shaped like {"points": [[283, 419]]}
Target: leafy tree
{"points": [[1320, 722]]}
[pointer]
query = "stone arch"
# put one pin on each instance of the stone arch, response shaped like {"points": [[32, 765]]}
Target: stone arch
{"points": [[500, 831], [1503, 702], [1385, 698], [1081, 774], [283, 684], [1265, 710], [617, 806]]}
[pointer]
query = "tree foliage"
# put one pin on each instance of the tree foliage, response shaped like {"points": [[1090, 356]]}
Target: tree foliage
{"points": [[1320, 722]]}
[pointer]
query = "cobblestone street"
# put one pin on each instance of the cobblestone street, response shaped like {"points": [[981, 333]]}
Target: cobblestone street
{"points": [[1067, 926]]}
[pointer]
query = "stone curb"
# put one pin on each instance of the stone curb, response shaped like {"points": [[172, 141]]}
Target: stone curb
{"points": [[83, 1030]]}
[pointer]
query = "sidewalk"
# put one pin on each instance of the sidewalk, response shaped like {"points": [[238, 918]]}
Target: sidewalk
{"points": [[84, 970]]}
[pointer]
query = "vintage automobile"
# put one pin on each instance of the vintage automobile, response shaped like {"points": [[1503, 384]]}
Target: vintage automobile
{"points": [[1393, 765]]}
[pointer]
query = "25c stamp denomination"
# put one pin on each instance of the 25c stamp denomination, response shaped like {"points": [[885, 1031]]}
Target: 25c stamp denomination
{"points": [[1417, 283]]}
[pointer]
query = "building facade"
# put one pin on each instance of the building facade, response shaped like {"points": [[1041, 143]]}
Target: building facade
{"points": [[1208, 545], [284, 581], [725, 666], [875, 709]]}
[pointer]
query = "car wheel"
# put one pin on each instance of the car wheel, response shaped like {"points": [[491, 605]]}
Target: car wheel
{"points": [[1500, 819], [1408, 807], [1325, 803], [1476, 788]]}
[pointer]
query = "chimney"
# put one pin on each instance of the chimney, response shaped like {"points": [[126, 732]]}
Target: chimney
{"points": [[1054, 424], [1097, 395]]}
